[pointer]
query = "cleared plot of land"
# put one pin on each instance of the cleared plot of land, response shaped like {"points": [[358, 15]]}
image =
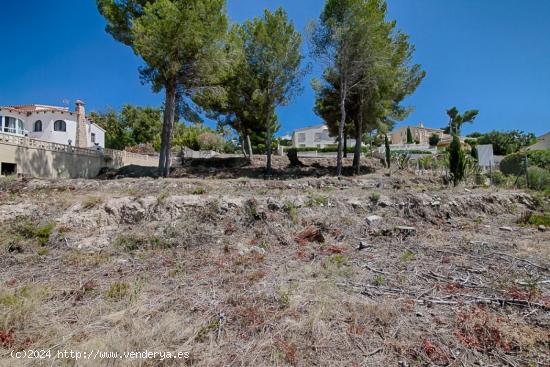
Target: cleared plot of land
{"points": [[363, 271]]}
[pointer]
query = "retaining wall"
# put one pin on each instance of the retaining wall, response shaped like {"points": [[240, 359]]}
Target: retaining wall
{"points": [[37, 158]]}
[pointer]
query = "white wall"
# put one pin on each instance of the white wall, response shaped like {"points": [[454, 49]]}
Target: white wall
{"points": [[310, 141], [99, 135], [48, 134]]}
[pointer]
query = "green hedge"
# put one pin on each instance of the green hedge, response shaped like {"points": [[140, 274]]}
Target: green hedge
{"points": [[514, 164]]}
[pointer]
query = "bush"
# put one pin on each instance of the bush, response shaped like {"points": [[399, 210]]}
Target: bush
{"points": [[539, 178], [514, 164], [141, 149], [210, 141], [457, 161]]}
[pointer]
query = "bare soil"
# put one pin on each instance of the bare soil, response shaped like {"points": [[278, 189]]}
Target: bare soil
{"points": [[303, 270]]}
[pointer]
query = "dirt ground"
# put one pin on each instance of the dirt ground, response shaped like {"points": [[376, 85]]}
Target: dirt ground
{"points": [[303, 269]]}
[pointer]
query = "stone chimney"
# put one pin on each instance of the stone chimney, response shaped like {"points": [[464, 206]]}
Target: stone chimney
{"points": [[81, 136]]}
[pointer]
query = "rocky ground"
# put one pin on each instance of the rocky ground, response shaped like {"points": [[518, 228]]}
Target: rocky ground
{"points": [[310, 271]]}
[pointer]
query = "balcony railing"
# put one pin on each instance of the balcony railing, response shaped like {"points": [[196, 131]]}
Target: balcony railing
{"points": [[15, 131]]}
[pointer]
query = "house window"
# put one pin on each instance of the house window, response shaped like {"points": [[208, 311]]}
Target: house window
{"points": [[59, 125], [37, 126], [13, 125], [318, 137], [301, 137], [93, 138]]}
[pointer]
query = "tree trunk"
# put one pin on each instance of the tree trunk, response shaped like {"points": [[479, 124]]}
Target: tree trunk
{"points": [[243, 144], [358, 143], [341, 126], [167, 127], [268, 143], [345, 144], [250, 151]]}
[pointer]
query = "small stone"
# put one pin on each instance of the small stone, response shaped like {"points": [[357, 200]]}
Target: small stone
{"points": [[355, 204], [273, 205], [506, 229], [436, 203], [384, 201], [363, 245], [406, 230], [542, 228], [372, 219]]}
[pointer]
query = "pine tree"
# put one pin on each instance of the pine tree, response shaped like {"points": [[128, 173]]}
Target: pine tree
{"points": [[178, 41]]}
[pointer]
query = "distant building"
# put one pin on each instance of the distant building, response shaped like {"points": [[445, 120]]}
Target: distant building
{"points": [[543, 143], [52, 124], [419, 134], [314, 137]]}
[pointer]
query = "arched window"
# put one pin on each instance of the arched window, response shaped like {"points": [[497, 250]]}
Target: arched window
{"points": [[37, 126], [59, 125]]}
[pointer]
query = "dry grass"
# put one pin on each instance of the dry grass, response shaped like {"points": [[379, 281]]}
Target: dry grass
{"points": [[257, 273]]}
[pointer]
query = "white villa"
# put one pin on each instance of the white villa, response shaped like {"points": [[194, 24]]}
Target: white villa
{"points": [[52, 124], [314, 137]]}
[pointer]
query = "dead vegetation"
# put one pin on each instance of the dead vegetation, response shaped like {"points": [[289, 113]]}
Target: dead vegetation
{"points": [[372, 270]]}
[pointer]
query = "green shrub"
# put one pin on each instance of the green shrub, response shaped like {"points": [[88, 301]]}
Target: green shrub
{"points": [[457, 160], [26, 228], [514, 164], [292, 211], [133, 242], [317, 201], [539, 178]]}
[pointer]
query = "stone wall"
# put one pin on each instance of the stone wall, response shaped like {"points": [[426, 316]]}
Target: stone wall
{"points": [[36, 158]]}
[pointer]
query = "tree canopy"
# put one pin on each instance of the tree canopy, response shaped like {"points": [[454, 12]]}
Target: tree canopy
{"points": [[505, 142], [178, 41], [369, 70]]}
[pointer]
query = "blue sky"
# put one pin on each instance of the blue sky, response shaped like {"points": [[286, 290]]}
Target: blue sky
{"points": [[490, 55]]}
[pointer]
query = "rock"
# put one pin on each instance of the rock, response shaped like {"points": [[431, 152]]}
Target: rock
{"points": [[310, 234], [372, 219], [542, 228], [506, 229], [436, 203], [245, 250], [273, 205], [384, 201], [355, 204], [363, 245], [406, 230]]}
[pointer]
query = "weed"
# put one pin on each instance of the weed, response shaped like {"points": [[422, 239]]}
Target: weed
{"points": [[198, 191], [133, 242], [264, 245], [292, 211], [118, 291], [17, 306], [91, 202], [29, 230], [407, 256], [212, 325], [161, 199], [283, 298], [79, 258], [317, 201], [43, 251], [379, 280], [374, 197]]}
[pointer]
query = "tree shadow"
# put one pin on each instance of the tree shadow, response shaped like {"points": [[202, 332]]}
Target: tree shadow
{"points": [[239, 167]]}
